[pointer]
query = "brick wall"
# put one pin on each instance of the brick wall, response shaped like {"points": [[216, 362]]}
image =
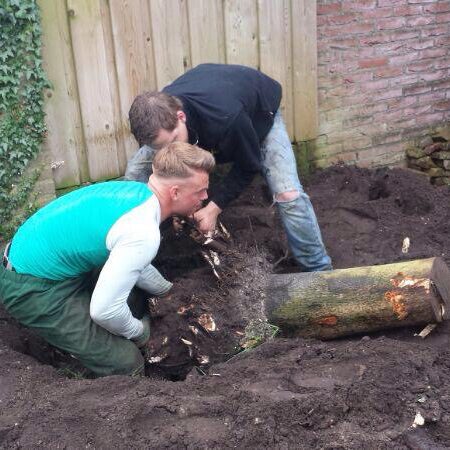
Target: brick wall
{"points": [[384, 77]]}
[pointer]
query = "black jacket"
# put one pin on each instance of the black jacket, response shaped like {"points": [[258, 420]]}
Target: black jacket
{"points": [[230, 109]]}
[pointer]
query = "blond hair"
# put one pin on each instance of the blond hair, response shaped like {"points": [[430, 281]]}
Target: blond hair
{"points": [[179, 159]]}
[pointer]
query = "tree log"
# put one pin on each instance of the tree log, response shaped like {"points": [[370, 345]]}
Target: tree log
{"points": [[326, 305]]}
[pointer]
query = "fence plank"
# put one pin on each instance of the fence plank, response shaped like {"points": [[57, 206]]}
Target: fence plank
{"points": [[97, 86], [206, 25], [65, 140], [304, 15], [101, 53], [168, 18], [133, 49], [275, 50], [241, 31]]}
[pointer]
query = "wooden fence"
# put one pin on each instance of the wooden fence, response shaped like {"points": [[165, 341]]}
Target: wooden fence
{"points": [[100, 54]]}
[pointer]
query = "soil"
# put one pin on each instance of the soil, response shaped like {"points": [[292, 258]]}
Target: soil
{"points": [[361, 392]]}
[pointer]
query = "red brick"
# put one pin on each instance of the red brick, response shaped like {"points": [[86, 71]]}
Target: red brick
{"points": [[328, 9], [359, 100], [341, 135], [402, 124], [437, 7], [442, 64], [343, 68], [421, 1], [442, 18], [357, 53], [408, 10], [443, 84], [330, 127], [389, 116], [431, 97], [376, 62], [433, 53], [390, 48], [435, 31], [342, 19], [391, 24], [390, 93], [404, 80], [378, 13], [388, 72], [358, 28], [338, 115], [358, 143], [375, 85], [417, 111], [404, 35], [433, 76], [419, 21], [343, 90], [401, 102], [359, 5], [382, 3], [322, 21], [367, 157], [386, 138], [327, 104], [358, 77], [421, 66], [344, 43], [356, 121], [375, 40], [403, 59], [421, 45], [442, 105], [442, 40], [430, 119], [414, 90]]}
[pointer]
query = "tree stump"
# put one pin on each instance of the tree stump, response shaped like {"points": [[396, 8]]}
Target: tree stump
{"points": [[327, 305]]}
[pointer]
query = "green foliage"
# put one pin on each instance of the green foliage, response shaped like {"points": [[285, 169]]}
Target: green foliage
{"points": [[22, 126]]}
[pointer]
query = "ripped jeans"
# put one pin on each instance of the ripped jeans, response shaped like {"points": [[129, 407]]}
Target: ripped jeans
{"points": [[297, 215], [280, 172]]}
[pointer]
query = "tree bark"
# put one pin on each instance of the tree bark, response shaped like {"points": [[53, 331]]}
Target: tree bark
{"points": [[326, 305]]}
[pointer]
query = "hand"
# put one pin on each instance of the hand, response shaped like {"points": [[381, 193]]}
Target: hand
{"points": [[206, 218], [141, 340]]}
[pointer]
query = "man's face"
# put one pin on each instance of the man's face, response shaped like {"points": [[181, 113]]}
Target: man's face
{"points": [[179, 133], [191, 193]]}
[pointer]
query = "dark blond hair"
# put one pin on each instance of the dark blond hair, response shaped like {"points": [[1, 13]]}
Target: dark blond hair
{"points": [[179, 159], [151, 112]]}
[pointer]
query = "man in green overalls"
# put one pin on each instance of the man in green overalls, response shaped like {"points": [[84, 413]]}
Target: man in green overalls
{"points": [[46, 271]]}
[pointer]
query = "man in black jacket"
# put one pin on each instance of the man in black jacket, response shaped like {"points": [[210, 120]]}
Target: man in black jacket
{"points": [[233, 112]]}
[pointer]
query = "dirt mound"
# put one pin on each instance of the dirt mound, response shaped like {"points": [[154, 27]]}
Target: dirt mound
{"points": [[363, 392]]}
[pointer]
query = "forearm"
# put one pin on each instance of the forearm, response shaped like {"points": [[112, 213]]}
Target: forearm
{"points": [[113, 314], [151, 281]]}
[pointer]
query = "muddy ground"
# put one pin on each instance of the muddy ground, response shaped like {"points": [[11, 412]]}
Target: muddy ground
{"points": [[361, 392]]}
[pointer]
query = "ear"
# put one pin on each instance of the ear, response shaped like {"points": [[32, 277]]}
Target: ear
{"points": [[174, 192], [181, 116]]}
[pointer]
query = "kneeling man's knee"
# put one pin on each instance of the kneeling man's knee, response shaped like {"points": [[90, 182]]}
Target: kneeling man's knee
{"points": [[287, 196]]}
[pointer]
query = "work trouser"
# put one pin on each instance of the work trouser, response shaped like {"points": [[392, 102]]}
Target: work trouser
{"points": [[59, 312]]}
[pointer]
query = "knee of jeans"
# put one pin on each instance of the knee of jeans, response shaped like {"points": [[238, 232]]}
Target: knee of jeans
{"points": [[288, 196]]}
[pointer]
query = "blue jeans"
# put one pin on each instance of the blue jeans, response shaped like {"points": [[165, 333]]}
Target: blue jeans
{"points": [[139, 167], [297, 215], [280, 172]]}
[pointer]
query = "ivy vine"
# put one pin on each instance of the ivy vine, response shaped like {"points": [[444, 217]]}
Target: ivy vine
{"points": [[22, 126]]}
